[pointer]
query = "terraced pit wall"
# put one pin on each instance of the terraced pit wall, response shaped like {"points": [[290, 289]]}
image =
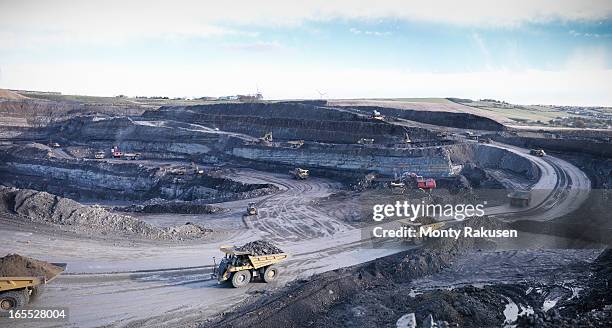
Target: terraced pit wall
{"points": [[432, 162], [288, 121]]}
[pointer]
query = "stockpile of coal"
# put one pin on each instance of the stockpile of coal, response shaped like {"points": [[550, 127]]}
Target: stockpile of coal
{"points": [[14, 265], [259, 247]]}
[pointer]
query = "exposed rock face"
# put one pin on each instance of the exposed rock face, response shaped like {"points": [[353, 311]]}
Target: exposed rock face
{"points": [[491, 157], [433, 162], [84, 179], [288, 120], [457, 120]]}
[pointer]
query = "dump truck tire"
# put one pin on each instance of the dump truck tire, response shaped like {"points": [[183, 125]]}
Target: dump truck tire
{"points": [[241, 278], [36, 291], [13, 300], [270, 274]]}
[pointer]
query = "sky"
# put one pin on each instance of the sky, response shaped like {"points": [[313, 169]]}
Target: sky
{"points": [[527, 52]]}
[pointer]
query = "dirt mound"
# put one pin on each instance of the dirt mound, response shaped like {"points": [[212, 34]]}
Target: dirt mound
{"points": [[14, 265], [7, 94], [42, 207], [259, 247]]}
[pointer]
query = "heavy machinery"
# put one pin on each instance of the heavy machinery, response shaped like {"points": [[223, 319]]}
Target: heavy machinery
{"points": [[99, 155], [267, 137], [116, 152], [119, 154], [251, 209], [420, 224], [376, 115], [537, 152], [484, 140], [16, 292], [295, 144], [421, 182], [239, 267], [299, 173]]}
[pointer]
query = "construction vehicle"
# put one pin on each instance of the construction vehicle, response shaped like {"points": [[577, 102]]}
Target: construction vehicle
{"points": [[116, 152], [365, 141], [299, 173], [421, 182], [419, 225], [484, 140], [267, 138], [376, 115], [99, 155], [239, 267], [520, 198], [397, 184], [537, 152], [251, 209], [295, 143], [131, 156], [16, 292]]}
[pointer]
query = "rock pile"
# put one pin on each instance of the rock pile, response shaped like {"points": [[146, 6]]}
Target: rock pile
{"points": [[42, 207], [259, 247], [14, 265]]}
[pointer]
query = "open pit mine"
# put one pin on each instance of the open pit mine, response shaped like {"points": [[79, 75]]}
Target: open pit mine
{"points": [[259, 214]]}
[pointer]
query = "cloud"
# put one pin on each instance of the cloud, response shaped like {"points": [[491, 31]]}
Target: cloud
{"points": [[590, 35], [118, 21], [357, 31], [258, 46]]}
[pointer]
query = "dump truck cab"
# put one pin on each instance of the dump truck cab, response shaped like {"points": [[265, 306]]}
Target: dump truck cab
{"points": [[239, 267], [251, 209]]}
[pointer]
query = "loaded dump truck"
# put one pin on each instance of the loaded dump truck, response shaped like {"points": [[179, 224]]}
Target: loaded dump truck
{"points": [[299, 173], [537, 152], [241, 264], [251, 209], [17, 291]]}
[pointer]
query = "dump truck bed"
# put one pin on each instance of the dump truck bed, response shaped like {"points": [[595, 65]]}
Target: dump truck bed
{"points": [[10, 283], [265, 260]]}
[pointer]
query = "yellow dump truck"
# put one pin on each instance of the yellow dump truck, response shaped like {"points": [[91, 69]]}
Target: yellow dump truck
{"points": [[240, 267], [251, 209], [300, 173], [16, 292]]}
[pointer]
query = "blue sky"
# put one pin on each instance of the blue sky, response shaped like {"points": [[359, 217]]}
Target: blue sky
{"points": [[556, 52]]}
